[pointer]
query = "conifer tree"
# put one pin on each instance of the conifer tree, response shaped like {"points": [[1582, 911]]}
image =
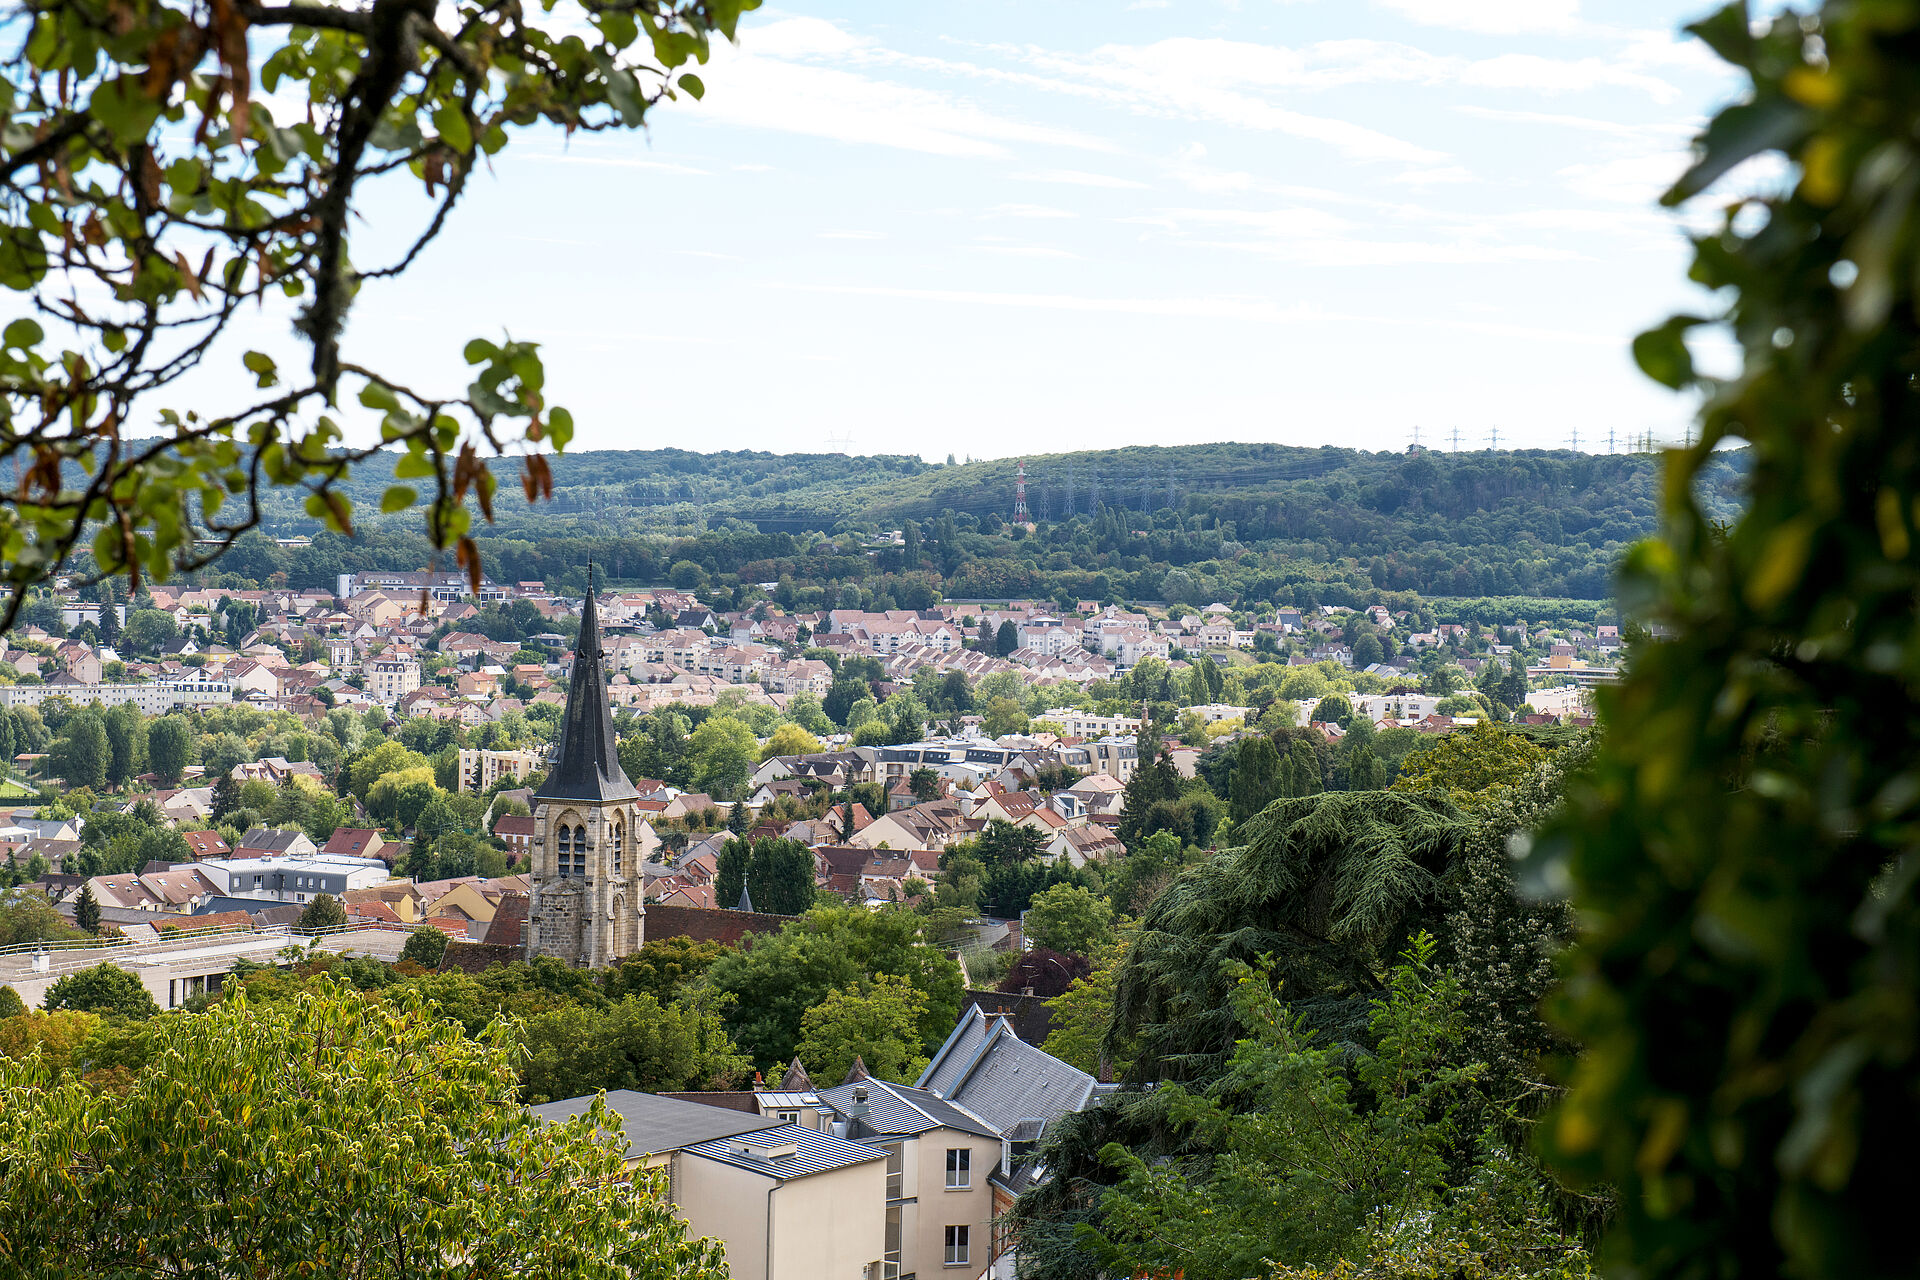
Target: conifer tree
{"points": [[86, 910]]}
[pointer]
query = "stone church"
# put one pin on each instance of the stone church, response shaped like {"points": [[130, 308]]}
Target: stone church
{"points": [[589, 838]]}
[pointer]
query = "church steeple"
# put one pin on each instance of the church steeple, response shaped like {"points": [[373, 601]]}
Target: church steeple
{"points": [[586, 764]]}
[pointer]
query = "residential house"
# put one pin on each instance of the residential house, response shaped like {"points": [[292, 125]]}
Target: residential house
{"points": [[789, 1202], [939, 1157]]}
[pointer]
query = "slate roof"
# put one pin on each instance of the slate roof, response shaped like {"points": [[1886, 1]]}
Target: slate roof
{"points": [[586, 764], [814, 1152], [655, 1125], [990, 1071], [902, 1109]]}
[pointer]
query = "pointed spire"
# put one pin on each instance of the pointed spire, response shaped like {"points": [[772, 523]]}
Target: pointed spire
{"points": [[586, 763], [857, 1072], [796, 1078], [746, 900]]}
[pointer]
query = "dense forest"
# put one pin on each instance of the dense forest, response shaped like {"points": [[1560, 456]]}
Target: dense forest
{"points": [[1225, 521]]}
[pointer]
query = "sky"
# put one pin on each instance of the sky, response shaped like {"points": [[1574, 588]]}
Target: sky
{"points": [[989, 227]]}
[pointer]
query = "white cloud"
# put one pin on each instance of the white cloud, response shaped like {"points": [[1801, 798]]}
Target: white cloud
{"points": [[1636, 180], [747, 86], [1261, 310], [614, 161], [853, 235], [1080, 178], [1492, 17], [1586, 124], [1028, 211], [1011, 249]]}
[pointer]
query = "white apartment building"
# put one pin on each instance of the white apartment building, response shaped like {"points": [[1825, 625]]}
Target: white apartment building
{"points": [[392, 678], [1090, 724], [480, 769], [298, 878], [155, 698]]}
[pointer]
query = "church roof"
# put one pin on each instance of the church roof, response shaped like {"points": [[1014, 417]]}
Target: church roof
{"points": [[586, 765]]}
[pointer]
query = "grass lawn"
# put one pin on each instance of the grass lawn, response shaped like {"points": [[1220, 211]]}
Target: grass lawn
{"points": [[11, 790]]}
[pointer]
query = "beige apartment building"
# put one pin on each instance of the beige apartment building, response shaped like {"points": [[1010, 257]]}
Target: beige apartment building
{"points": [[787, 1201], [939, 1206]]}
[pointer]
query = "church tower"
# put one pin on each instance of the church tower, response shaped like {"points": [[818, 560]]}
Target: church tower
{"points": [[589, 838]]}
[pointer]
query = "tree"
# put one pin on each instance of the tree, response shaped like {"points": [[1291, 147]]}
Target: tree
{"points": [[723, 753], [632, 1043], [439, 1173], [776, 980], [385, 114], [924, 783], [1333, 709], [169, 749], [1153, 781], [27, 916], [1002, 844], [780, 876], [397, 800], [1330, 886], [1255, 782], [1080, 1015], [81, 755], [105, 989], [126, 732], [790, 740], [148, 631], [1741, 857], [1473, 767], [11, 1005], [324, 912], [1007, 639], [1069, 918], [86, 909], [1003, 716], [1302, 1167], [371, 766], [730, 872], [877, 1022], [666, 968], [425, 946]]}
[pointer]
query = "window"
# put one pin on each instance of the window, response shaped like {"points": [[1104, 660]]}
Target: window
{"points": [[959, 1168], [896, 1169], [573, 851], [957, 1246], [788, 1117], [618, 831]]}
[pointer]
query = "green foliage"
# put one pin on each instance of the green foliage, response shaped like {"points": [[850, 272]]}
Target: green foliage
{"points": [[1255, 781], [1309, 1165], [666, 969], [1081, 1014], [780, 877], [631, 1043], [425, 946], [11, 1005], [1332, 887], [105, 989], [775, 981], [1069, 918], [1742, 858], [876, 1021], [199, 201], [723, 754], [730, 873], [81, 754], [434, 1171], [86, 909], [1473, 767], [169, 749], [324, 912]]}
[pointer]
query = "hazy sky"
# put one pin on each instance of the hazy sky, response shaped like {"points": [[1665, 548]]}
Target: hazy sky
{"points": [[986, 227]]}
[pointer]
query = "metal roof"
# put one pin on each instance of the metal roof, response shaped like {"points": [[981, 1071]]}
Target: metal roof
{"points": [[586, 765], [814, 1152], [773, 1098], [986, 1068], [901, 1109], [655, 1125]]}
